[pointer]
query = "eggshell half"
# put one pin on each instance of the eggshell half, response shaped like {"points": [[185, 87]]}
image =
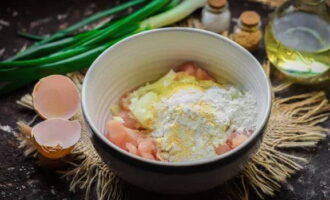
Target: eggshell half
{"points": [[56, 96], [55, 138]]}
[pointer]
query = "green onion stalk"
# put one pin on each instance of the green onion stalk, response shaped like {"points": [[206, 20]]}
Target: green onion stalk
{"points": [[141, 14], [60, 55], [90, 19], [31, 36], [82, 52], [48, 48], [82, 23], [172, 16]]}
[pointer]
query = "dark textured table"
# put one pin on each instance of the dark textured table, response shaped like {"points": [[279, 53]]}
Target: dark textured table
{"points": [[21, 178]]}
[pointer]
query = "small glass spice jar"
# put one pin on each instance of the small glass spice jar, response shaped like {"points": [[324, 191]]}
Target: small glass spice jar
{"points": [[248, 32], [216, 16]]}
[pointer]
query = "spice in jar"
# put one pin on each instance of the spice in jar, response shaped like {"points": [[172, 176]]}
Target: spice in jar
{"points": [[247, 32], [216, 16]]}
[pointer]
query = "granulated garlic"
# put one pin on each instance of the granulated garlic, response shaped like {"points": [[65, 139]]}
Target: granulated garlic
{"points": [[247, 32]]}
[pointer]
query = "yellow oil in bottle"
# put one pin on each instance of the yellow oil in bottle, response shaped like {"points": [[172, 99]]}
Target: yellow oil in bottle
{"points": [[298, 44]]}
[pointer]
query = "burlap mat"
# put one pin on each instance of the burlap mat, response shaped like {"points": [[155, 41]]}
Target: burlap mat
{"points": [[293, 124]]}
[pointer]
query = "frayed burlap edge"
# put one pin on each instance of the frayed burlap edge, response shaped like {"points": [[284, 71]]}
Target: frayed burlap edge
{"points": [[293, 124]]}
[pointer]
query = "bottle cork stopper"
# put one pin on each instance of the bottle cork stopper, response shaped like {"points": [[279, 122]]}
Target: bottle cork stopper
{"points": [[250, 18], [217, 4]]}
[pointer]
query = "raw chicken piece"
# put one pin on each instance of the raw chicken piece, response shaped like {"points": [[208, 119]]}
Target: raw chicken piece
{"points": [[147, 148], [130, 140], [188, 68], [235, 139], [221, 149], [124, 101], [129, 121], [117, 133], [131, 148], [192, 69], [203, 75], [238, 140]]}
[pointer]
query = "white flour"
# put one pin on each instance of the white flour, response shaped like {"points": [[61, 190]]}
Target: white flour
{"points": [[191, 123], [6, 128]]}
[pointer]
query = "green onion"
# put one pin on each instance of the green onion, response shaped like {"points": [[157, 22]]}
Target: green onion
{"points": [[12, 79], [47, 59], [30, 36], [137, 16], [50, 47], [44, 49], [57, 56], [171, 16], [89, 20], [169, 6], [76, 26], [79, 51]]}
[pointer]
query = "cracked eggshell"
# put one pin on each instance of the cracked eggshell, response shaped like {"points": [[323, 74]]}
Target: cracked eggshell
{"points": [[56, 96], [55, 138]]}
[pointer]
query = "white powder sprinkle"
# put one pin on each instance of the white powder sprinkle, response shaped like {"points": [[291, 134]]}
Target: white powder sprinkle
{"points": [[4, 23], [62, 16], [191, 123], [2, 51], [6, 128]]}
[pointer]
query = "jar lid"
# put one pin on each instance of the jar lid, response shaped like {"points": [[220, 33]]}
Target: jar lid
{"points": [[217, 4], [250, 18]]}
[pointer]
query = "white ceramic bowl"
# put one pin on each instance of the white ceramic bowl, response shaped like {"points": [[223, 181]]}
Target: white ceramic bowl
{"points": [[146, 57]]}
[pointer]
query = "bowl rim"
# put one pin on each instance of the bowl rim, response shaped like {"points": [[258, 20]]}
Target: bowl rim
{"points": [[102, 137]]}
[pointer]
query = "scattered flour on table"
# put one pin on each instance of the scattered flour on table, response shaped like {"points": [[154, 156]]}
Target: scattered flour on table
{"points": [[191, 123], [2, 51], [4, 23], [6, 128]]}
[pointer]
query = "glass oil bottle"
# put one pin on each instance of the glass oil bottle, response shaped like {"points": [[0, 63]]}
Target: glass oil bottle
{"points": [[297, 40]]}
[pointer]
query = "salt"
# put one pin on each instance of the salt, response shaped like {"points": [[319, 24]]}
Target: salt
{"points": [[216, 16]]}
